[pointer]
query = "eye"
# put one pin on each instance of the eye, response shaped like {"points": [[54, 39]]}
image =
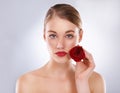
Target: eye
{"points": [[52, 36], [70, 36]]}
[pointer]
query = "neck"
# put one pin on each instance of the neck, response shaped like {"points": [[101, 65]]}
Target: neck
{"points": [[60, 69]]}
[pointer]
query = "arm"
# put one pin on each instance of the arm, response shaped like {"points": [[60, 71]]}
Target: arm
{"points": [[84, 69], [23, 85], [82, 86], [85, 77], [20, 85], [99, 84]]}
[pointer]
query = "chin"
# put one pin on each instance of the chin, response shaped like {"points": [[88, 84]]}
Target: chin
{"points": [[61, 59]]}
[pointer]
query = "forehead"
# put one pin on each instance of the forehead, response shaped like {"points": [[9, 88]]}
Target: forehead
{"points": [[58, 24]]}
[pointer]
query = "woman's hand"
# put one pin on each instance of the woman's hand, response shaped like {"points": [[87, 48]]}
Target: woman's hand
{"points": [[84, 69]]}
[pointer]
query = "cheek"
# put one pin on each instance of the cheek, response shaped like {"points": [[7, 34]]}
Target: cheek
{"points": [[71, 43], [50, 44]]}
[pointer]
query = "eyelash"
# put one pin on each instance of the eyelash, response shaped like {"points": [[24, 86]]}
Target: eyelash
{"points": [[70, 36], [53, 36]]}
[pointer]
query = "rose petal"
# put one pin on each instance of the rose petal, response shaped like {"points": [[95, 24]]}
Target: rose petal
{"points": [[77, 53]]}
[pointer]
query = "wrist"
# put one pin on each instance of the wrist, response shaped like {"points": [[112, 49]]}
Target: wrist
{"points": [[82, 86], [81, 79]]}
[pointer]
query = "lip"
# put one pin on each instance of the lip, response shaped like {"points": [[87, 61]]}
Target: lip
{"points": [[61, 53]]}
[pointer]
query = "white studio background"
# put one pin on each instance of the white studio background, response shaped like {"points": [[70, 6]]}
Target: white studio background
{"points": [[22, 47]]}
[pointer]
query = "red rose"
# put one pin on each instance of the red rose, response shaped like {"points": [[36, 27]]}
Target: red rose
{"points": [[77, 53]]}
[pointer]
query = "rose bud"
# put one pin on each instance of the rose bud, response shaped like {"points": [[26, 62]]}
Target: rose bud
{"points": [[77, 53]]}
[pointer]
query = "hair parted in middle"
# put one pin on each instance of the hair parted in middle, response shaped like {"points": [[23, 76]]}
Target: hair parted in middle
{"points": [[64, 11]]}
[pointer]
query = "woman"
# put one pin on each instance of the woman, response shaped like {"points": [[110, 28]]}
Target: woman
{"points": [[62, 31]]}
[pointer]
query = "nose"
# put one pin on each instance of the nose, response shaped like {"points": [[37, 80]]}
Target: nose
{"points": [[60, 44]]}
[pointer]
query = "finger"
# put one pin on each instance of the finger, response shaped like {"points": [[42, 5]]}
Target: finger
{"points": [[80, 66], [89, 61], [91, 66], [88, 56]]}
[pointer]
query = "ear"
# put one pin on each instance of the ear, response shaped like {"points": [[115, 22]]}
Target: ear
{"points": [[80, 35], [44, 35]]}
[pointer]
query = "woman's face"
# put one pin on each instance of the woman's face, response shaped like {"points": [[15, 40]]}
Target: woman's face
{"points": [[60, 36]]}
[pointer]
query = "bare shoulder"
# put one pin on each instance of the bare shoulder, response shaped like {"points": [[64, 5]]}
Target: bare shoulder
{"points": [[96, 76], [97, 83], [26, 82]]}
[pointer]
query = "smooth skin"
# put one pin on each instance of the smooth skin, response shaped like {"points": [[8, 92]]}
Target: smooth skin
{"points": [[59, 75]]}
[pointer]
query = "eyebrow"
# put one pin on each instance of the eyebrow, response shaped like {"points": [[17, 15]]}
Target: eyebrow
{"points": [[52, 31], [70, 31], [65, 32]]}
